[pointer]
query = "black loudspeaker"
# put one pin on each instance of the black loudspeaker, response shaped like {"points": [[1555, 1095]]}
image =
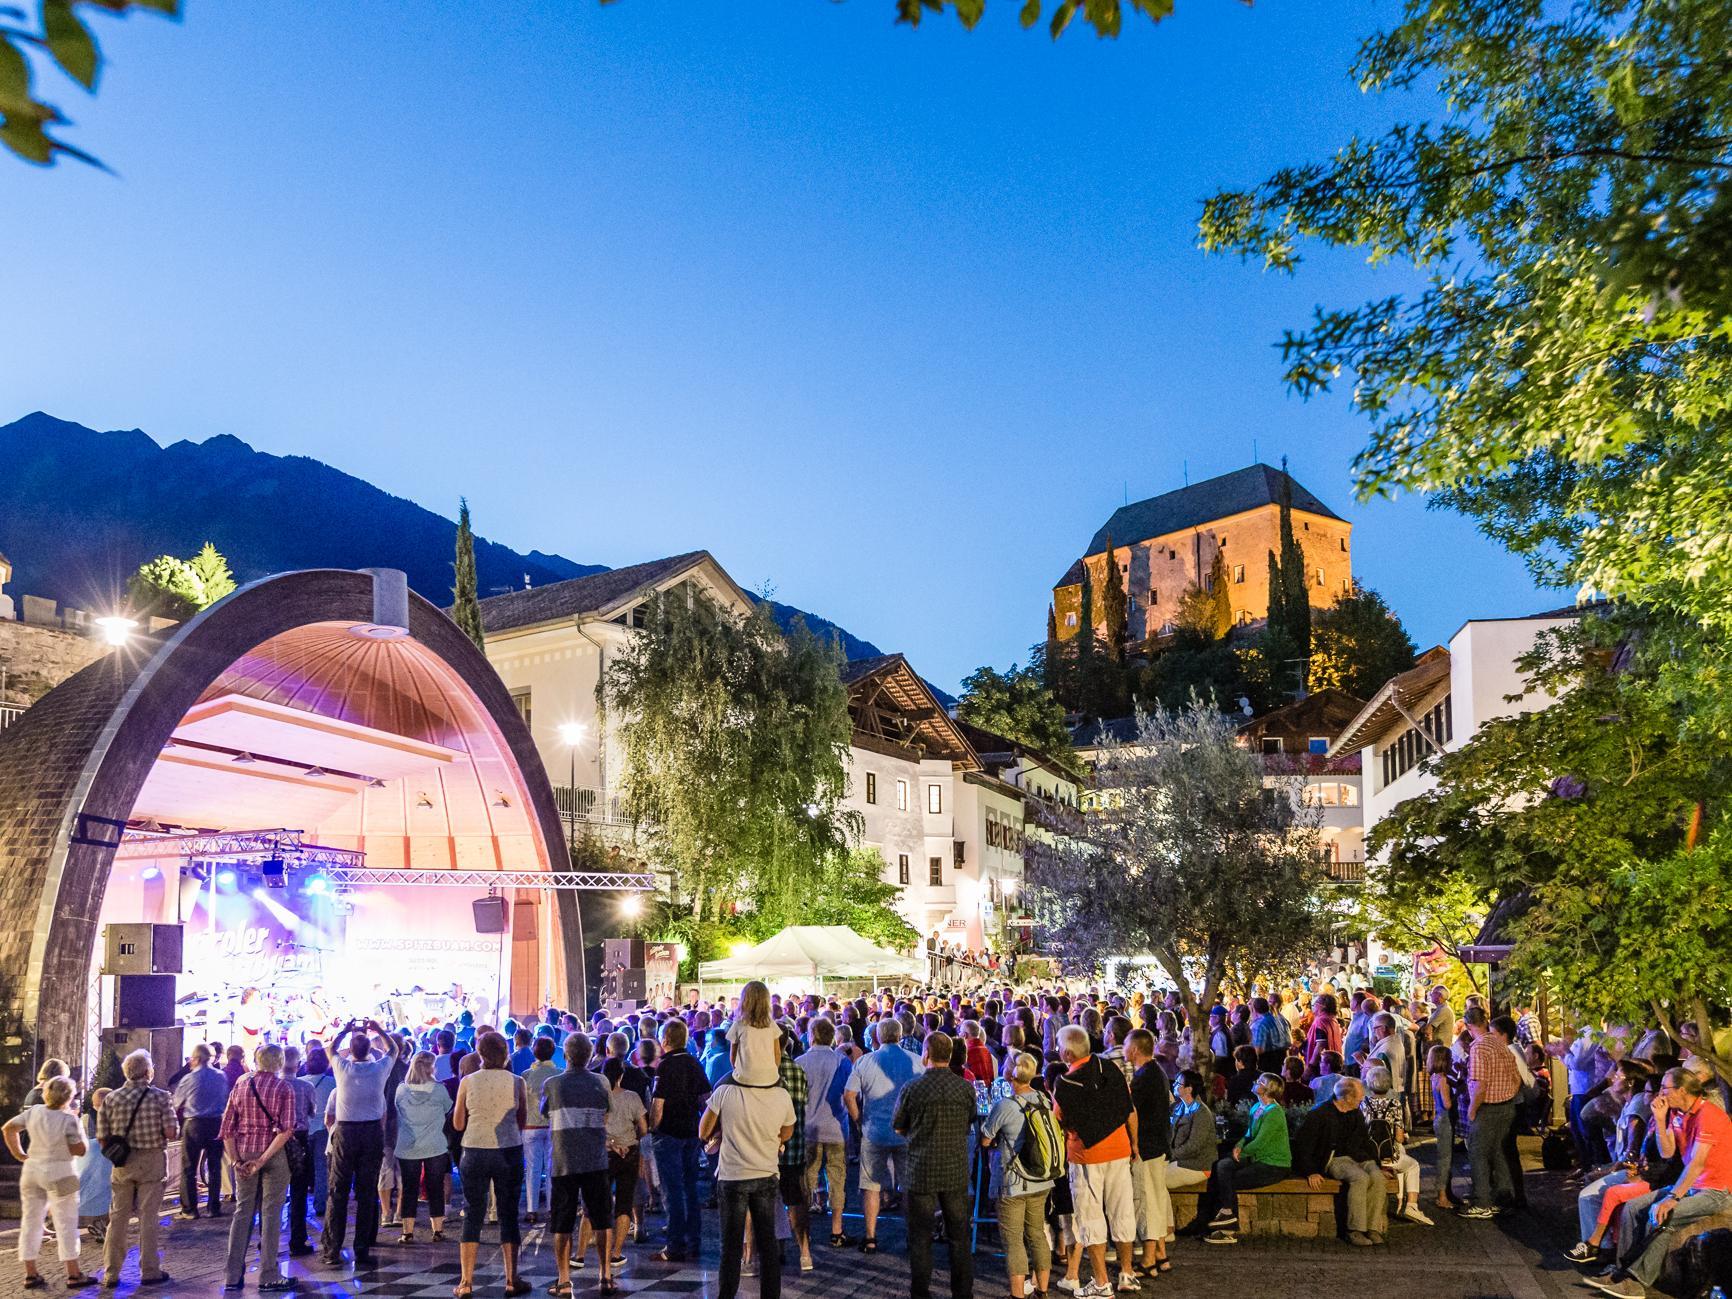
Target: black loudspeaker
{"points": [[624, 953], [144, 1001], [164, 1045], [633, 985], [489, 915]]}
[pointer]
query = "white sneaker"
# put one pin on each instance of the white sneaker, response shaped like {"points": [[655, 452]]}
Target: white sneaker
{"points": [[1128, 1281], [1094, 1290], [1413, 1213], [1068, 1286]]}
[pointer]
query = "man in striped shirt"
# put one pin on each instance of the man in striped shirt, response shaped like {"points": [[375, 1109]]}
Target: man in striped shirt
{"points": [[1492, 1084]]}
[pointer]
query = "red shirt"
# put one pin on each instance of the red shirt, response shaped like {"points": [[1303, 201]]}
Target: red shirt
{"points": [[1706, 1127]]}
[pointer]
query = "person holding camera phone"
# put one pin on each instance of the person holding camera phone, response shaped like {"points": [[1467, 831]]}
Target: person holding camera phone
{"points": [[357, 1146]]}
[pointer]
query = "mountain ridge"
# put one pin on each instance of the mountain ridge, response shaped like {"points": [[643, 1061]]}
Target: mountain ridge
{"points": [[80, 509]]}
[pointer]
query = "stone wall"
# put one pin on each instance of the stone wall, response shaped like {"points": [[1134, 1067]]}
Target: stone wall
{"points": [[36, 659]]}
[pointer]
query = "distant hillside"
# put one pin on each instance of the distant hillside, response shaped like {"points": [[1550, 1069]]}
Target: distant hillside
{"points": [[81, 509]]}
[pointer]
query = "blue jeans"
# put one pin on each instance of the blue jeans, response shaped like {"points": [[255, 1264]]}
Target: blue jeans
{"points": [[1695, 1206], [756, 1199], [502, 1171], [677, 1160], [1589, 1199]]}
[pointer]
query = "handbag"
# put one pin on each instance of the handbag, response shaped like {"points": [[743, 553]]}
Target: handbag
{"points": [[293, 1150], [117, 1150]]}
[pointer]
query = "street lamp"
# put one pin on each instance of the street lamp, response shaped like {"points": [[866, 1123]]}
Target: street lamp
{"points": [[116, 630], [571, 735]]}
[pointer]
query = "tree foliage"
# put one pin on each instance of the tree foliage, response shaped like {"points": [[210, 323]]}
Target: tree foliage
{"points": [[1186, 856], [1115, 610], [465, 601], [1597, 825], [849, 889], [166, 587], [1289, 593], [1357, 644], [60, 33], [734, 749], [1017, 705], [1207, 610]]}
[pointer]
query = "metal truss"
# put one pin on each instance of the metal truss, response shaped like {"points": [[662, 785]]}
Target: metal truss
{"points": [[347, 868]]}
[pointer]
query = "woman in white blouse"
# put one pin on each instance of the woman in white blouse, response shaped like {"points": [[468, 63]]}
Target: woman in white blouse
{"points": [[48, 1183]]}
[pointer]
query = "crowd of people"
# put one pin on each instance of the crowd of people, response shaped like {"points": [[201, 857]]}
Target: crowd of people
{"points": [[1075, 1121]]}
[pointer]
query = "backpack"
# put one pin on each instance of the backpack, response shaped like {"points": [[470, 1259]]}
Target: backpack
{"points": [[1557, 1150], [1382, 1139], [1040, 1153], [1105, 1101], [1700, 1264]]}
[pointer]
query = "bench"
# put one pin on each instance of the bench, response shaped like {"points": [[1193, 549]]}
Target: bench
{"points": [[1285, 1208]]}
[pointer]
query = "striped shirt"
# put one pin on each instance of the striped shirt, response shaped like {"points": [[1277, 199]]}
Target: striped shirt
{"points": [[575, 1102]]}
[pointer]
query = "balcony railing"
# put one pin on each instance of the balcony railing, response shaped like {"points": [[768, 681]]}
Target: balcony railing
{"points": [[1310, 764], [1346, 872], [9, 713], [587, 805]]}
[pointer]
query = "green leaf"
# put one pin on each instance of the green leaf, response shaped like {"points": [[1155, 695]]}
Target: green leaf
{"points": [[28, 140], [1030, 12], [14, 79], [1061, 17], [970, 11], [70, 42]]}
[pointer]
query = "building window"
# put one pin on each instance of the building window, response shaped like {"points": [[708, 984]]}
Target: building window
{"points": [[871, 787], [1415, 744], [520, 701], [902, 796], [1307, 527], [1244, 617], [935, 799], [935, 871], [1320, 577], [960, 849], [1070, 620], [1271, 744], [1344, 545], [902, 868], [1346, 586], [1318, 744], [1238, 574], [1154, 596]]}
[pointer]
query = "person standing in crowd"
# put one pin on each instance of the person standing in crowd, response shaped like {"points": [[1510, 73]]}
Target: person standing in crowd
{"points": [[871, 1094], [1022, 1199], [357, 1142], [95, 1173], [791, 1166], [1151, 1099], [1688, 1127], [1334, 1141], [301, 1171], [752, 1123], [422, 1153], [676, 1104], [490, 1113], [200, 1097], [1325, 1031], [47, 1184], [827, 1071], [626, 1126], [1269, 1035], [537, 1137], [1094, 1107], [317, 1071], [575, 1102], [143, 1116], [257, 1124], [1492, 1083], [1440, 1024], [934, 1113]]}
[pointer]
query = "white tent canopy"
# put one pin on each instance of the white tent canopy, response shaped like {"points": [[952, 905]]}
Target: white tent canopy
{"points": [[813, 952]]}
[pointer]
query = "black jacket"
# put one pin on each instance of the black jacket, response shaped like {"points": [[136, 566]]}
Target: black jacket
{"points": [[1151, 1094], [1326, 1134]]}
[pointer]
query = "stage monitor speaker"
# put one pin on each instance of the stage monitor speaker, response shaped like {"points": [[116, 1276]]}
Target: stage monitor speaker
{"points": [[166, 1047], [622, 953], [142, 949], [274, 871], [144, 1001], [489, 915]]}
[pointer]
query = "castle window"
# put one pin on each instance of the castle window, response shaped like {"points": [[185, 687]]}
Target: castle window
{"points": [[1154, 596], [1238, 574], [1344, 545], [1320, 577], [1070, 620]]}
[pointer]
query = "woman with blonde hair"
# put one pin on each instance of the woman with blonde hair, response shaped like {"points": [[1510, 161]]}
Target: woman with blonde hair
{"points": [[48, 1186], [51, 1068], [422, 1153]]}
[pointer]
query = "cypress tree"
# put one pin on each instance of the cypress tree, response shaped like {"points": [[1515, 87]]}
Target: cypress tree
{"points": [[1220, 599], [1115, 612], [1296, 602], [465, 604]]}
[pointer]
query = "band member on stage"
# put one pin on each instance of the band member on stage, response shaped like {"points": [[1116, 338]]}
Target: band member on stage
{"points": [[251, 1020]]}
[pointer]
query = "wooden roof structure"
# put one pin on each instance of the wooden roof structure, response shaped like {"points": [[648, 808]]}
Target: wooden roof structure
{"points": [[895, 712]]}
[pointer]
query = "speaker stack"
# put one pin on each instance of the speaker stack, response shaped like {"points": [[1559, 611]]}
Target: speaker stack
{"points": [[624, 980], [144, 960]]}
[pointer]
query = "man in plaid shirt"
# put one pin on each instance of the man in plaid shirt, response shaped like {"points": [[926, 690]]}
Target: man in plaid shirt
{"points": [[1492, 1084], [791, 1167], [144, 1115], [935, 1112], [258, 1123]]}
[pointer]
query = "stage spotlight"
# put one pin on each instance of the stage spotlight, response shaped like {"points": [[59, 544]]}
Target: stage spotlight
{"points": [[317, 884], [151, 872], [225, 878], [274, 873], [631, 905]]}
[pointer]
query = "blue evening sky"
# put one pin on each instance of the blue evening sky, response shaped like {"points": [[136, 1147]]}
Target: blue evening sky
{"points": [[889, 320]]}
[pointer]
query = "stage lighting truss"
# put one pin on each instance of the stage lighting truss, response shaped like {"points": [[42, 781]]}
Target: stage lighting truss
{"points": [[344, 868]]}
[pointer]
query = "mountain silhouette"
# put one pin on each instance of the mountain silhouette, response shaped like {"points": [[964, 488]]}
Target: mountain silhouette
{"points": [[81, 509]]}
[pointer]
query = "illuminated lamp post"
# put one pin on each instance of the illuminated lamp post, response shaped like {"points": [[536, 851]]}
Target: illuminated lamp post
{"points": [[571, 735]]}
